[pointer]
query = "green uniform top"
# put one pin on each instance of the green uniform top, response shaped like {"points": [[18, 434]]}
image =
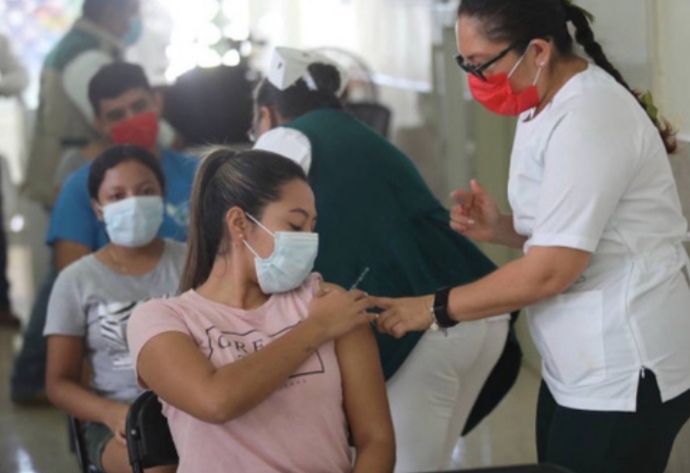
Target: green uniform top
{"points": [[375, 210]]}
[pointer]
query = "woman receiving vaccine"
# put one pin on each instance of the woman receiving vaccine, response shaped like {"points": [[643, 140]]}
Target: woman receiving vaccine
{"points": [[259, 364]]}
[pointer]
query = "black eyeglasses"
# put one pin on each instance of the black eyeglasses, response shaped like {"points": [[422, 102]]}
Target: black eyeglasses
{"points": [[478, 69]]}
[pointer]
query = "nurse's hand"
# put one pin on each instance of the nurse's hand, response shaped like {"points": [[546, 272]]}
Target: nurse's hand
{"points": [[475, 214], [403, 315], [336, 311]]}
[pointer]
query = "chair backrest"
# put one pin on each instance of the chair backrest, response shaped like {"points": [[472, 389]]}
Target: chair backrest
{"points": [[149, 442], [373, 114], [542, 468], [78, 443]]}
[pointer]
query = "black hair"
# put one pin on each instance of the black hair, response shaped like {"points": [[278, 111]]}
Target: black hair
{"points": [[299, 99], [96, 9], [518, 22], [113, 80], [249, 180], [117, 155]]}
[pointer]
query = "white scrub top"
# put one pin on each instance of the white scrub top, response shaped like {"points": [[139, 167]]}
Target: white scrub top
{"points": [[590, 172]]}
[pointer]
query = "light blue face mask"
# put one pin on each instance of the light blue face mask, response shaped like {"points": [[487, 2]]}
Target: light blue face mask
{"points": [[134, 222], [290, 263], [134, 31]]}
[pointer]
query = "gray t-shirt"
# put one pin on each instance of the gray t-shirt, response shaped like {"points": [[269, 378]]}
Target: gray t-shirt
{"points": [[93, 301]]}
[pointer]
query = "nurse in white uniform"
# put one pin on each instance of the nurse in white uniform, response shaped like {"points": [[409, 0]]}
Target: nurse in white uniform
{"points": [[604, 276]]}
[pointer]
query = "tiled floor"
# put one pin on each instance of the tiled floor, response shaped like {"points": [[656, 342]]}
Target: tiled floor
{"points": [[31, 439], [36, 439]]}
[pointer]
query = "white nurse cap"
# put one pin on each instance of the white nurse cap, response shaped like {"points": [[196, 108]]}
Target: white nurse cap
{"points": [[288, 65]]}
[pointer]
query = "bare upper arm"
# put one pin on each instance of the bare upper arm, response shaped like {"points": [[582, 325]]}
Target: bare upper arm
{"points": [[556, 267], [172, 365], [65, 358], [67, 252], [364, 389]]}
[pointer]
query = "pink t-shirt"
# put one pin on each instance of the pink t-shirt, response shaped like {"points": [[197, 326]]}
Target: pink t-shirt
{"points": [[299, 428]]}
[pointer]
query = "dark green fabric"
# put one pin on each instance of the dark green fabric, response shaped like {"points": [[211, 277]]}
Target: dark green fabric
{"points": [[376, 211], [70, 46]]}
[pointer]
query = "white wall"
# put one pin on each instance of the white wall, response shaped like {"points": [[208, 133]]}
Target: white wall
{"points": [[649, 40], [672, 74], [625, 30], [394, 38]]}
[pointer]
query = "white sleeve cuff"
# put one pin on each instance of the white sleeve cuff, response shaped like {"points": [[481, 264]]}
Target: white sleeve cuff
{"points": [[577, 242]]}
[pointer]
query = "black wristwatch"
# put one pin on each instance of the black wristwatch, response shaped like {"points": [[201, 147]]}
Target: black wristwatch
{"points": [[439, 311]]}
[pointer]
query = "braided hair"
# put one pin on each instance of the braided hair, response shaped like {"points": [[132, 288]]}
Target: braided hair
{"points": [[519, 22]]}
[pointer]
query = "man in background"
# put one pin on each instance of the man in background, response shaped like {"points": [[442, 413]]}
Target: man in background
{"points": [[64, 119]]}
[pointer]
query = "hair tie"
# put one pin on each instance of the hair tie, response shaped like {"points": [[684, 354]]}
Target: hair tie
{"points": [[647, 102]]}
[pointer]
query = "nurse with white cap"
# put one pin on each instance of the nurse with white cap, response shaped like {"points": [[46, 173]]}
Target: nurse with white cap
{"points": [[381, 228], [289, 65]]}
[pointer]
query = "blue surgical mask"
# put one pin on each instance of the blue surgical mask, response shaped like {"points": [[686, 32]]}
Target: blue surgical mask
{"points": [[135, 221], [290, 263], [134, 31]]}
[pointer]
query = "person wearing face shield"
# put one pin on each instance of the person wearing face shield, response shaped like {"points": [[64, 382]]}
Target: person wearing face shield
{"points": [[266, 364], [595, 208], [127, 111], [93, 298], [379, 219]]}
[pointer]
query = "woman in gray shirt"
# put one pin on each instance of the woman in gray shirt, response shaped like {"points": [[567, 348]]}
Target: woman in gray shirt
{"points": [[94, 297]]}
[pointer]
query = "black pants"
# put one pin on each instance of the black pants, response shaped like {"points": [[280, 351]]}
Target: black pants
{"points": [[611, 442]]}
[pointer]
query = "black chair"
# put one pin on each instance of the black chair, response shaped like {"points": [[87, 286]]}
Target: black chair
{"points": [[543, 468], [149, 442], [78, 444], [375, 115]]}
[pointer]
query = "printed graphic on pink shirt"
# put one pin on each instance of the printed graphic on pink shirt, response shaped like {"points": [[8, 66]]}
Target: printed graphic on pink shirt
{"points": [[243, 344]]}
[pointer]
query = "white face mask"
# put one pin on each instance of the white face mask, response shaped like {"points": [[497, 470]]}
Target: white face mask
{"points": [[135, 221], [290, 263]]}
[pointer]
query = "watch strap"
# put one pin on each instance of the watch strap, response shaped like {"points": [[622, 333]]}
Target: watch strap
{"points": [[440, 308]]}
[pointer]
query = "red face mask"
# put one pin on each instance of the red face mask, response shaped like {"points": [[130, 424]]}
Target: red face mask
{"points": [[141, 130], [497, 95]]}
